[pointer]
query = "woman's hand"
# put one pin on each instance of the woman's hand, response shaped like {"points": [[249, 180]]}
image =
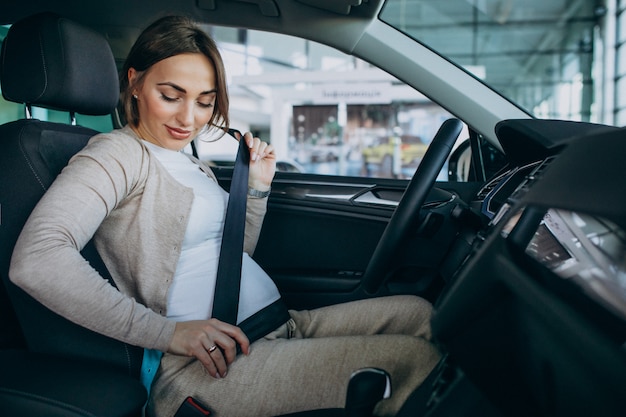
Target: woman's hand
{"points": [[262, 163], [212, 342]]}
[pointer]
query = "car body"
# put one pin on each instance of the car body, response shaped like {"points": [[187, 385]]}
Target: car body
{"points": [[522, 333], [406, 150]]}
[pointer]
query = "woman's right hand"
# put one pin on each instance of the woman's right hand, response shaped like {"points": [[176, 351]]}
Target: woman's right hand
{"points": [[212, 342]]}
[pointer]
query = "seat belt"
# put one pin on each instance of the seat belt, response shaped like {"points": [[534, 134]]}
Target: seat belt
{"points": [[228, 283]]}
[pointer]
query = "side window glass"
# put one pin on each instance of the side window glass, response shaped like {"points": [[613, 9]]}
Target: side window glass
{"points": [[99, 123], [13, 111], [8, 111], [325, 112]]}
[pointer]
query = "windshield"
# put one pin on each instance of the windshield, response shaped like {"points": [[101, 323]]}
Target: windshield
{"points": [[543, 55]]}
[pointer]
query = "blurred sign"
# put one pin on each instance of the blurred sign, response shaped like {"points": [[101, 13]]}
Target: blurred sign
{"points": [[357, 93]]}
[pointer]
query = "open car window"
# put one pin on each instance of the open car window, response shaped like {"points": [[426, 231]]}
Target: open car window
{"points": [[324, 111]]}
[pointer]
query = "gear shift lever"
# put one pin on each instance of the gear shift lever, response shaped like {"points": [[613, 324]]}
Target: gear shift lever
{"points": [[366, 388]]}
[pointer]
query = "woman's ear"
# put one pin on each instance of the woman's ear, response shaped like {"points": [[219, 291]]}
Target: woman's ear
{"points": [[132, 77]]}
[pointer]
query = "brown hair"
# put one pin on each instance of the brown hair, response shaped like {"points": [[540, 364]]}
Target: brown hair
{"points": [[167, 37]]}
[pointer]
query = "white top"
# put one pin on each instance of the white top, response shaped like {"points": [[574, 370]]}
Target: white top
{"points": [[192, 291]]}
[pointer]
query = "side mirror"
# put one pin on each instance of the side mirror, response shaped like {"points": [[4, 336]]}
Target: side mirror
{"points": [[462, 163]]}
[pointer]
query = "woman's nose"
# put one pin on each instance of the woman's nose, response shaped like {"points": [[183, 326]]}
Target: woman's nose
{"points": [[185, 114]]}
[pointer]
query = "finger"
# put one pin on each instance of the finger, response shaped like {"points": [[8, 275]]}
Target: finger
{"points": [[242, 340], [210, 355], [252, 142], [268, 151], [263, 150], [254, 146], [227, 348], [258, 148], [202, 354], [235, 335], [218, 360], [249, 139], [245, 346], [265, 153]]}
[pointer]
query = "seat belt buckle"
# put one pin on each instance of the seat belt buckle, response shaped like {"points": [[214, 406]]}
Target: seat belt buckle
{"points": [[192, 408]]}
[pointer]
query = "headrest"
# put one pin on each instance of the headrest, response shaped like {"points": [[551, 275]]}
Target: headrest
{"points": [[49, 61]]}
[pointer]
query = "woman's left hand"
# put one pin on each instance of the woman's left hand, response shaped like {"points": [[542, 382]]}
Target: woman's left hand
{"points": [[262, 163]]}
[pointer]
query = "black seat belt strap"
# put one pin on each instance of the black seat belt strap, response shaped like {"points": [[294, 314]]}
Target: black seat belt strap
{"points": [[226, 299]]}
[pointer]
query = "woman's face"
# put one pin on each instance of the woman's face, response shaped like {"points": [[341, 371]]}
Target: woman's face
{"points": [[175, 99]]}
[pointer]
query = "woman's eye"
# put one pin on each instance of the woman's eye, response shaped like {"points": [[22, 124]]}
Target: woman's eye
{"points": [[166, 98], [205, 105]]}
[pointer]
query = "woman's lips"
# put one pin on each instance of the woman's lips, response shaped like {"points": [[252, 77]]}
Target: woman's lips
{"points": [[178, 133]]}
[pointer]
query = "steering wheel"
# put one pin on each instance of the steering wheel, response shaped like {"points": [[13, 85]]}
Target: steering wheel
{"points": [[407, 213]]}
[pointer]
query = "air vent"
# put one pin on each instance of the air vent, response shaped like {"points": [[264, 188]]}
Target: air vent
{"points": [[490, 186], [538, 172], [530, 179]]}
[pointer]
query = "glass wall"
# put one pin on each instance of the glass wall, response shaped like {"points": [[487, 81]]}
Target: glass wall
{"points": [[620, 62], [546, 56]]}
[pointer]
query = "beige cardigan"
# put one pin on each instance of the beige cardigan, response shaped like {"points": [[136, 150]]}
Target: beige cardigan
{"points": [[115, 191]]}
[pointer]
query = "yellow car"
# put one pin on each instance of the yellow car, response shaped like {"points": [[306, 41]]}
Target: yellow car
{"points": [[391, 154]]}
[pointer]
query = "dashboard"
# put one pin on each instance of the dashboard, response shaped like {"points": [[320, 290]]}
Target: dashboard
{"points": [[582, 248], [536, 314]]}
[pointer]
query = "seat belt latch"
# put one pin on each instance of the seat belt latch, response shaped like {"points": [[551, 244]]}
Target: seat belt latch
{"points": [[192, 408]]}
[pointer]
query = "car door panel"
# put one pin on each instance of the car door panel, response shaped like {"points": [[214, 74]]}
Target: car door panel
{"points": [[320, 231]]}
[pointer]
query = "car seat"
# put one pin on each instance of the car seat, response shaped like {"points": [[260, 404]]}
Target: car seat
{"points": [[54, 63], [48, 365]]}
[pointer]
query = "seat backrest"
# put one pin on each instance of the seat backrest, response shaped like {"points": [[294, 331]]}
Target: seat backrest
{"points": [[51, 62]]}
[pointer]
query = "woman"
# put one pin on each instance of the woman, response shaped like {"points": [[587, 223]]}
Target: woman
{"points": [[157, 222]]}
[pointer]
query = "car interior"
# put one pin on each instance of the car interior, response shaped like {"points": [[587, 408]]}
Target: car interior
{"points": [[525, 264]]}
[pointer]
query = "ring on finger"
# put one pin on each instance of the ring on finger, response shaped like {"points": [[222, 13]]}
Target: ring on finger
{"points": [[212, 348]]}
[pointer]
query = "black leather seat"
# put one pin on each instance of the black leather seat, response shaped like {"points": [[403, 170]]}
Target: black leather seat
{"points": [[48, 365], [51, 62]]}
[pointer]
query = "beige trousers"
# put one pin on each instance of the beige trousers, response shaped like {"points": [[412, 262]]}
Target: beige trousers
{"points": [[309, 367]]}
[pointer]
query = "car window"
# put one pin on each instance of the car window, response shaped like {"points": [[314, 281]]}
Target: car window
{"points": [[324, 111], [13, 111]]}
